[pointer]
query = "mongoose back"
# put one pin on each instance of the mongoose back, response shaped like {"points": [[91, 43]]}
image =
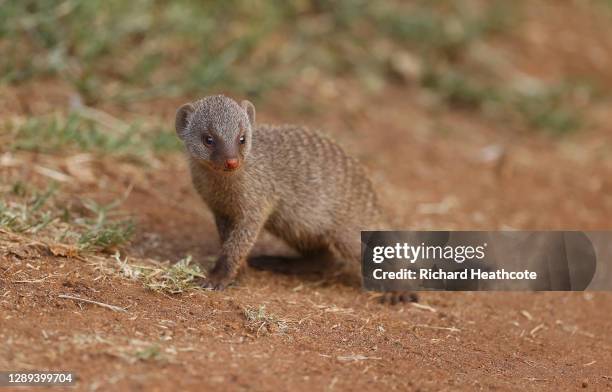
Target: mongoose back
{"points": [[290, 180]]}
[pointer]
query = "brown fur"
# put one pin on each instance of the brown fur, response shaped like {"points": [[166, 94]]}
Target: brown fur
{"points": [[292, 181]]}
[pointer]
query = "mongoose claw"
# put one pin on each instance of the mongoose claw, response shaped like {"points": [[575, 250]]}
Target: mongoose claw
{"points": [[214, 283], [209, 285], [219, 277], [395, 297]]}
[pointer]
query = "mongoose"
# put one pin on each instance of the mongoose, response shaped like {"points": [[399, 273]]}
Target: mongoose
{"points": [[292, 181]]}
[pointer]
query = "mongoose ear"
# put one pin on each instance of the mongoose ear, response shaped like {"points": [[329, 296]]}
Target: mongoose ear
{"points": [[250, 109], [182, 119]]}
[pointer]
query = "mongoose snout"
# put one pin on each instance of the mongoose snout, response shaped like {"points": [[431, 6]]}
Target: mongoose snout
{"points": [[232, 164], [292, 181]]}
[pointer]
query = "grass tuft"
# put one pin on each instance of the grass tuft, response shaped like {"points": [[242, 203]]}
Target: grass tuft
{"points": [[79, 131], [29, 215], [44, 213], [549, 111], [260, 322], [107, 236], [458, 89], [163, 277], [177, 278]]}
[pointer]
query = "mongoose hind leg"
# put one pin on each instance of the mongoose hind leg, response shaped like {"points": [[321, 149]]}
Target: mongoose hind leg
{"points": [[348, 248]]}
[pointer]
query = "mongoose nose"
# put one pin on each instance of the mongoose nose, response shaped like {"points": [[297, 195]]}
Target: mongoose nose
{"points": [[231, 164]]}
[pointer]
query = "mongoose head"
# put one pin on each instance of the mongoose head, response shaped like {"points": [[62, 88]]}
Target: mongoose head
{"points": [[217, 131]]}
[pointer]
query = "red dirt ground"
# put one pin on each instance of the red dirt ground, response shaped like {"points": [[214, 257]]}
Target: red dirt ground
{"points": [[337, 337]]}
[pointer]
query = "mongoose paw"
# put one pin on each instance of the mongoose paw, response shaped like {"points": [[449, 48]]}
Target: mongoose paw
{"points": [[219, 278], [210, 285], [216, 282], [395, 297]]}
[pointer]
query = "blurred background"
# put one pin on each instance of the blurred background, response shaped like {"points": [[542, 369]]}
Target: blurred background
{"points": [[535, 66]]}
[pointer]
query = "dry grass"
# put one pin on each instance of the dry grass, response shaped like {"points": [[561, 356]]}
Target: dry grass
{"points": [[260, 322], [50, 217], [101, 304], [86, 129], [162, 277]]}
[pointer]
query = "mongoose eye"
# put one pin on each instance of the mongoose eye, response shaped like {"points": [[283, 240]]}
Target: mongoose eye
{"points": [[242, 140], [208, 140]]}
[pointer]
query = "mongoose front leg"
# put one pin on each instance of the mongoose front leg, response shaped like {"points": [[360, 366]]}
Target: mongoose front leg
{"points": [[223, 224], [238, 237]]}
